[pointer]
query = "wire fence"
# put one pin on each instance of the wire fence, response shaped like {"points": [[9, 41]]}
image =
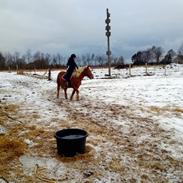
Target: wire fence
{"points": [[101, 73]]}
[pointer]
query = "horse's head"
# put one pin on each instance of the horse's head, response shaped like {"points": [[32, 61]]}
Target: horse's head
{"points": [[88, 72]]}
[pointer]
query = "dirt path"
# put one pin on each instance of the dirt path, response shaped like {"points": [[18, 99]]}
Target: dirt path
{"points": [[122, 146]]}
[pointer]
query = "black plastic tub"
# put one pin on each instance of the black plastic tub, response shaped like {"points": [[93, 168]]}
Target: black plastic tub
{"points": [[71, 141]]}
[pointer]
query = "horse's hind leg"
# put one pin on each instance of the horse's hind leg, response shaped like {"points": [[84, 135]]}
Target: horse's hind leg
{"points": [[73, 92]]}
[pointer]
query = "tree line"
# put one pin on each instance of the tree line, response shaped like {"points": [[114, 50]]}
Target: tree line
{"points": [[155, 55], [40, 60]]}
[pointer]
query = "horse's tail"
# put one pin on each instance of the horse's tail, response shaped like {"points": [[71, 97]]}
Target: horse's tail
{"points": [[59, 77], [59, 81]]}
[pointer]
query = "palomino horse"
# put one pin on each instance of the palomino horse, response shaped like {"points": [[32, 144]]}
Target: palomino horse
{"points": [[75, 81]]}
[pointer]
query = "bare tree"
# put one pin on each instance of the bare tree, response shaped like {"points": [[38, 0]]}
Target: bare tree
{"points": [[84, 60], [120, 60], [169, 57], [16, 56], [37, 56], [2, 61], [180, 50], [60, 59], [158, 52], [28, 56], [9, 60], [88, 59]]}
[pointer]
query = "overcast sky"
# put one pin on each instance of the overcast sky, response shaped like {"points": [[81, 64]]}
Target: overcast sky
{"points": [[78, 26]]}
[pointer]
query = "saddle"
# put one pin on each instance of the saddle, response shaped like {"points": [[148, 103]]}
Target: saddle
{"points": [[68, 82]]}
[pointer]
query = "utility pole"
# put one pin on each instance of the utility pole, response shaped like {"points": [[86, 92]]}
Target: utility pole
{"points": [[108, 34]]}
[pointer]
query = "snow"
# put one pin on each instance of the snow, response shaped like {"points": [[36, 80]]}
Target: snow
{"points": [[132, 106], [23, 89], [2, 130], [143, 93]]}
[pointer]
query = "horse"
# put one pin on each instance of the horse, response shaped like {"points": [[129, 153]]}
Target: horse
{"points": [[75, 81]]}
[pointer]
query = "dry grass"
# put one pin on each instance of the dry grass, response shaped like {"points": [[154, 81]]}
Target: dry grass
{"points": [[10, 148], [116, 166], [180, 110], [8, 107], [5, 111], [20, 72], [167, 109]]}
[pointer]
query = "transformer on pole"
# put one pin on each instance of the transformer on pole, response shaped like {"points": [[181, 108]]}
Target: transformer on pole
{"points": [[108, 34]]}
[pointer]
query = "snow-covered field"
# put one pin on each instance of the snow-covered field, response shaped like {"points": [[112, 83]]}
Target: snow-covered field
{"points": [[135, 127]]}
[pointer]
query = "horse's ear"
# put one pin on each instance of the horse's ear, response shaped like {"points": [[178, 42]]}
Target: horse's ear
{"points": [[89, 67]]}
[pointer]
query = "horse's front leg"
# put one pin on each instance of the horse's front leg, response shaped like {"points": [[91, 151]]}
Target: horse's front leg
{"points": [[65, 91], [77, 94], [73, 92]]}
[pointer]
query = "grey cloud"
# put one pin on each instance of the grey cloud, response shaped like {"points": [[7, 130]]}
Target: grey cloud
{"points": [[78, 25]]}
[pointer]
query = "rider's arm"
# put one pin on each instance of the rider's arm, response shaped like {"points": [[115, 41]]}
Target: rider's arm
{"points": [[75, 65]]}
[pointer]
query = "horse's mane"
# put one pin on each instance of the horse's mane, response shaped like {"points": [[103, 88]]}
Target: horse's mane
{"points": [[78, 72]]}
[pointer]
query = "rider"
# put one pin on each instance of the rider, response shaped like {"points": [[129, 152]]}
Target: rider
{"points": [[71, 66]]}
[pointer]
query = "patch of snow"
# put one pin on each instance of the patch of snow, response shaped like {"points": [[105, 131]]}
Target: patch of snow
{"points": [[50, 167], [3, 130], [30, 143]]}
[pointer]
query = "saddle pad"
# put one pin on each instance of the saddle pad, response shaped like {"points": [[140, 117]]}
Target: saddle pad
{"points": [[78, 72]]}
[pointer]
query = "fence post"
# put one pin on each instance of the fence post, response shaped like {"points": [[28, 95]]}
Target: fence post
{"points": [[9, 69], [130, 70], [49, 74], [165, 69], [34, 69], [146, 67], [17, 68], [154, 69]]}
